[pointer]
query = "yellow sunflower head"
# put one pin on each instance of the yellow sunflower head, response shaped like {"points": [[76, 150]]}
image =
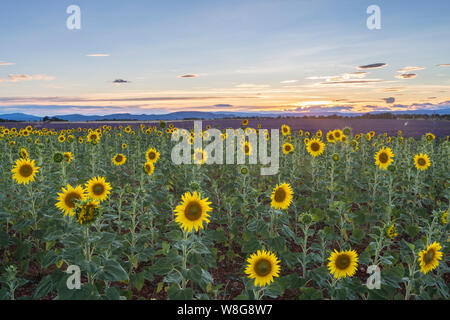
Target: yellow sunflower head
{"points": [[68, 199], [68, 156], [23, 153], [384, 157], [263, 266], [247, 148], [244, 122], [315, 147], [119, 159], [98, 189], [149, 168], [429, 257], [342, 264], [337, 134], [87, 211], [281, 196], [192, 211], [152, 155], [287, 148], [24, 171], [422, 161], [430, 136], [330, 137], [199, 156], [285, 130]]}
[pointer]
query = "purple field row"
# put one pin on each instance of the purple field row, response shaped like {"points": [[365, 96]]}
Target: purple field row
{"points": [[410, 128]]}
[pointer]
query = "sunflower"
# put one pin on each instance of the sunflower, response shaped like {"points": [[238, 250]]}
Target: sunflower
{"points": [[119, 159], [68, 198], [244, 122], [343, 263], [390, 232], [61, 138], [247, 148], [430, 136], [315, 147], [24, 171], [384, 157], [281, 196], [330, 137], [429, 257], [337, 134], [192, 211], [124, 146], [87, 211], [263, 266], [422, 161], [152, 155], [98, 189], [68, 156], [93, 137], [199, 156], [23, 153], [285, 130], [300, 132], [149, 168], [287, 148]]}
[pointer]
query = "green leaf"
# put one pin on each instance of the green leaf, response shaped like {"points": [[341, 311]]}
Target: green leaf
{"points": [[112, 271]]}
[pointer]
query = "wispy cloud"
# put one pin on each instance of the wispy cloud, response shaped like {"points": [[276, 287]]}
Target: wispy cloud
{"points": [[389, 100], [26, 77], [188, 75], [373, 66], [409, 69], [98, 55], [444, 65], [289, 81], [120, 81], [406, 76], [6, 63]]}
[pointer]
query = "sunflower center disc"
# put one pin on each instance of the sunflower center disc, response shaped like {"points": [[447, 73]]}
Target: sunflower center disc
{"points": [[263, 268], [193, 211], [98, 189], [71, 198], [247, 149], [119, 159], [383, 157], [421, 161], [342, 262], [280, 195], [151, 155], [429, 256], [26, 171], [315, 146]]}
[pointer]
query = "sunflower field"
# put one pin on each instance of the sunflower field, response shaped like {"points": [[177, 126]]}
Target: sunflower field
{"points": [[348, 216]]}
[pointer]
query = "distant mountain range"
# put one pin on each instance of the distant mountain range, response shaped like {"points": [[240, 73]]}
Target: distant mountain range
{"points": [[203, 115]]}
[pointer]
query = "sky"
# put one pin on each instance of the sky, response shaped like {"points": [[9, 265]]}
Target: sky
{"points": [[154, 57]]}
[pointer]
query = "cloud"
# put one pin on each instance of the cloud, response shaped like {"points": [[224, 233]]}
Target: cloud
{"points": [[409, 69], [6, 63], [350, 82], [373, 66], [120, 81], [389, 100], [26, 77], [223, 105], [98, 55], [406, 76], [188, 76], [320, 108], [252, 85], [288, 81], [444, 65]]}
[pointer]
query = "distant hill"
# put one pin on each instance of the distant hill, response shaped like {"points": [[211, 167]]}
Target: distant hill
{"points": [[183, 115]]}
